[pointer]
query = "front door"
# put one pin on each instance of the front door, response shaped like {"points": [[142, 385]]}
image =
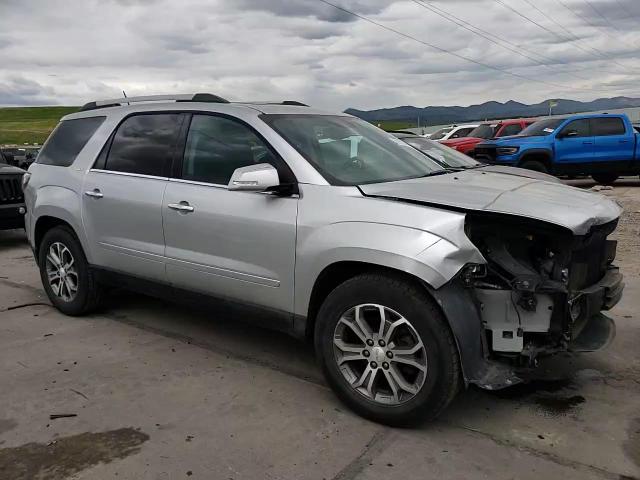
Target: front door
{"points": [[574, 145], [122, 196], [230, 244]]}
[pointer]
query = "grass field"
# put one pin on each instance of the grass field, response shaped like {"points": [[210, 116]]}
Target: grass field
{"points": [[391, 125], [19, 125], [29, 124]]}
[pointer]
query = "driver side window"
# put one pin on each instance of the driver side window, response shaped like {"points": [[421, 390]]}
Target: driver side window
{"points": [[216, 146], [581, 127]]}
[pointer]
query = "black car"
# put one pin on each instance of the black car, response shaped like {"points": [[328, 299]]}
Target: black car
{"points": [[12, 208], [451, 159]]}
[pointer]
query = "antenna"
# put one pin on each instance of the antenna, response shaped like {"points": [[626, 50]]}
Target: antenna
{"points": [[124, 94]]}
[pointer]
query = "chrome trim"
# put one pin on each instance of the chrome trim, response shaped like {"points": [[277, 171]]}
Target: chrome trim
{"points": [[195, 182], [127, 174], [154, 257], [223, 272]]}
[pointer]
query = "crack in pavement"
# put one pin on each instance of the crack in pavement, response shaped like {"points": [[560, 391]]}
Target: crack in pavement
{"points": [[12, 283], [374, 447], [565, 462], [23, 305]]}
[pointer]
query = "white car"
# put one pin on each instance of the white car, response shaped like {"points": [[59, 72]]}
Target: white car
{"points": [[453, 131]]}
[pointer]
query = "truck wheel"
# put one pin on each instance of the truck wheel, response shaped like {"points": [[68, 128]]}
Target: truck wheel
{"points": [[534, 165], [604, 178], [386, 350], [65, 273]]}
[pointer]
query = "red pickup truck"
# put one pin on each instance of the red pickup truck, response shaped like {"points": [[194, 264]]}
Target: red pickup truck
{"points": [[486, 131]]}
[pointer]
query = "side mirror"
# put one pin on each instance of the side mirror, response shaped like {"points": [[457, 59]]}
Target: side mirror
{"points": [[568, 134], [254, 178]]}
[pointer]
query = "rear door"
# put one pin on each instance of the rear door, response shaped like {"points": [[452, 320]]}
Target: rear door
{"points": [[122, 195], [230, 244], [613, 145], [574, 144]]}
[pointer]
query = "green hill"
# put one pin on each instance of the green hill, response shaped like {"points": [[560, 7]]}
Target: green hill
{"points": [[29, 124]]}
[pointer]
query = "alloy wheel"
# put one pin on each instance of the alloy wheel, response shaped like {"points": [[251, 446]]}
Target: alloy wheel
{"points": [[380, 354], [61, 272]]}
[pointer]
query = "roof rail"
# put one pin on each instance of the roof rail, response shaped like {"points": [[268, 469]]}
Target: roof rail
{"points": [[275, 102], [197, 97]]}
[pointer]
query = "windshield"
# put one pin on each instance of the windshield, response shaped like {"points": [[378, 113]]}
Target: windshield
{"points": [[542, 127], [483, 131], [445, 156], [350, 151], [439, 134]]}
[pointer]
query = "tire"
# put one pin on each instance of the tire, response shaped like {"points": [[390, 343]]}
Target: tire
{"points": [[434, 388], [88, 292], [604, 178], [534, 165]]}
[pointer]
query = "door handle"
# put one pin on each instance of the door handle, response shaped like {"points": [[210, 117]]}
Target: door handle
{"points": [[587, 143], [181, 207], [95, 193], [623, 141]]}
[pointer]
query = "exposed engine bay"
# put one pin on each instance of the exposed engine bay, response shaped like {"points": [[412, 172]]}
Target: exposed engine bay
{"points": [[543, 287]]}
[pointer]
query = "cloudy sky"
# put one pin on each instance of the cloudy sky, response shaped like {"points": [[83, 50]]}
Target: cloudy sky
{"points": [[69, 52]]}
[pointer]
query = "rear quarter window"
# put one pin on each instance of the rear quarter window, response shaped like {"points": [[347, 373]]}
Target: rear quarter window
{"points": [[66, 141]]}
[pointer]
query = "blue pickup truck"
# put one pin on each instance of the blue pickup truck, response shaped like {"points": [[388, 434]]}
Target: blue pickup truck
{"points": [[601, 145]]}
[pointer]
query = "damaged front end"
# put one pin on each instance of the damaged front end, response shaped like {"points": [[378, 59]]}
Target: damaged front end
{"points": [[543, 288]]}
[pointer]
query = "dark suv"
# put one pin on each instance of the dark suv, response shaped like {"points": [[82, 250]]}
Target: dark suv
{"points": [[12, 207]]}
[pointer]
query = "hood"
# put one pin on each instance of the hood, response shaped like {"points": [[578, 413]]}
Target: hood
{"points": [[514, 141], [461, 141], [9, 169], [475, 190], [520, 172]]}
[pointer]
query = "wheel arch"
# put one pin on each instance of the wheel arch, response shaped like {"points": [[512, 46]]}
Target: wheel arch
{"points": [[454, 301], [537, 155], [44, 223], [56, 205]]}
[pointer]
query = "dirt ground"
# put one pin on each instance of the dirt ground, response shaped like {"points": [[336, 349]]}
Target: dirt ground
{"points": [[149, 390]]}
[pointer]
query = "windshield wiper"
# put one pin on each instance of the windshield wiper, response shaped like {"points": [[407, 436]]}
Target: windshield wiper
{"points": [[437, 172]]}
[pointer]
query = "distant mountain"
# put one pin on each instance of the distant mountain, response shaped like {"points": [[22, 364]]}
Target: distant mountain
{"points": [[488, 110]]}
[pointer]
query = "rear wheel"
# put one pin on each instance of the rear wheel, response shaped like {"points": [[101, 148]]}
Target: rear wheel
{"points": [[386, 350], [604, 178], [65, 273], [534, 165]]}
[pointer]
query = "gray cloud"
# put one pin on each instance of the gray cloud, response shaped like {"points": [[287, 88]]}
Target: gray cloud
{"points": [[307, 50]]}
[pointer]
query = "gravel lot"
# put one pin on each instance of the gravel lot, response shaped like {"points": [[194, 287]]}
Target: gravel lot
{"points": [[159, 391]]}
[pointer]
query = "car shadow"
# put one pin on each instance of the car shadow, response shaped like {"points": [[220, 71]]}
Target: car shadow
{"points": [[12, 239]]}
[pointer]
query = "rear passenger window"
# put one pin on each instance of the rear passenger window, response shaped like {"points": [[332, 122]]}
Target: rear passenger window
{"points": [[66, 141], [607, 126], [513, 129], [216, 146], [144, 144]]}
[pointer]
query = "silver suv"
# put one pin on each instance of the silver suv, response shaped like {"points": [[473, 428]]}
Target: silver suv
{"points": [[411, 280]]}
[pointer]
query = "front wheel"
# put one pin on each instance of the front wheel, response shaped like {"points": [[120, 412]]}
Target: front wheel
{"points": [[65, 273], [604, 178], [534, 165], [386, 350]]}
